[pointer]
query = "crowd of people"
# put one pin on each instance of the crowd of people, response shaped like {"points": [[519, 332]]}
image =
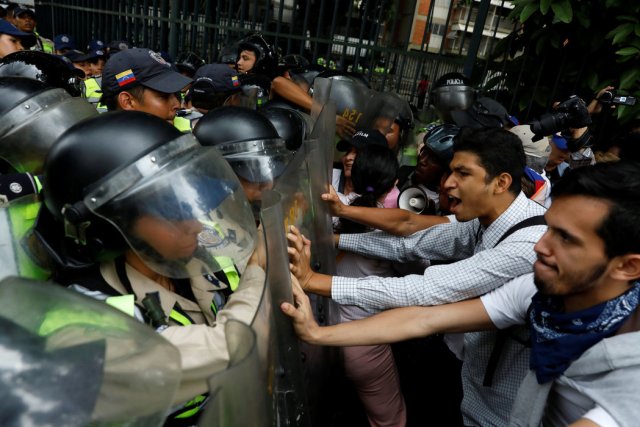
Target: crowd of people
{"points": [[125, 172]]}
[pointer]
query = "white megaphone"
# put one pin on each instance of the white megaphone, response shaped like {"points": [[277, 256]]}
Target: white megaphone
{"points": [[416, 200]]}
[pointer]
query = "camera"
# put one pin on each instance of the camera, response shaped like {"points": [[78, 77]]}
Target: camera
{"points": [[572, 113], [610, 97]]}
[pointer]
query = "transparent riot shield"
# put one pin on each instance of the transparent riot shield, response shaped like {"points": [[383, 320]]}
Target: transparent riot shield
{"points": [[239, 394], [319, 154], [20, 254], [70, 360], [306, 178], [349, 94], [350, 97], [392, 116]]}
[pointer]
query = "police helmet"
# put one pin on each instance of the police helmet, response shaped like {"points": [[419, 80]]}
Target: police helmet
{"points": [[247, 140], [189, 62], [308, 73], [266, 54], [291, 124], [49, 69], [439, 139], [229, 55], [124, 179], [452, 92], [294, 61], [33, 116]]}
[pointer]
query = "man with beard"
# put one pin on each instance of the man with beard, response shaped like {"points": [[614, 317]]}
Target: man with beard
{"points": [[580, 306]]}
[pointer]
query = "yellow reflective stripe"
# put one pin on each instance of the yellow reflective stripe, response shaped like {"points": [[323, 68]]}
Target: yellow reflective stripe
{"points": [[124, 303], [226, 263], [92, 90], [182, 124], [214, 308], [198, 400], [60, 318], [36, 179], [232, 276], [30, 211], [179, 318]]}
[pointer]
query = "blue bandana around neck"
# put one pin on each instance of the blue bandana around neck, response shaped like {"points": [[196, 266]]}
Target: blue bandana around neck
{"points": [[559, 338]]}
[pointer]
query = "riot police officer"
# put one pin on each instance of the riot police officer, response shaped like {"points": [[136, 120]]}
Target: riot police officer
{"points": [[154, 210], [452, 92], [13, 40], [34, 115], [141, 80], [48, 69], [251, 145]]}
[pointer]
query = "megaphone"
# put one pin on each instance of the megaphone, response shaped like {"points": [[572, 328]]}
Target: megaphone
{"points": [[416, 200]]}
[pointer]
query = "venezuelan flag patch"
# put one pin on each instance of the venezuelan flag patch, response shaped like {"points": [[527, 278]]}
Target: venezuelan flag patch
{"points": [[125, 77], [234, 81]]}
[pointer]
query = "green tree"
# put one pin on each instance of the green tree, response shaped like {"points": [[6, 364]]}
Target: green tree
{"points": [[565, 47]]}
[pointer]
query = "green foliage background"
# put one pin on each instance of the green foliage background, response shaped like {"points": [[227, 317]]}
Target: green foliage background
{"points": [[565, 47]]}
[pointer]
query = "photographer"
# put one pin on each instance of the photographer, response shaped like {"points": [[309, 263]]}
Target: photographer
{"points": [[571, 119]]}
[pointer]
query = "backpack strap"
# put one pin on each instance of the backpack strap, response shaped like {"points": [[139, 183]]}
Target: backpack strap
{"points": [[503, 334], [527, 222]]}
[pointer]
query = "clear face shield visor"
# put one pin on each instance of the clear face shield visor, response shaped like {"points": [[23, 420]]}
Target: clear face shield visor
{"points": [[392, 117], [452, 98], [258, 164], [180, 208], [29, 130]]}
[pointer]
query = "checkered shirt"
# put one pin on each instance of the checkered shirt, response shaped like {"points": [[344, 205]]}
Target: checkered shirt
{"points": [[481, 267]]}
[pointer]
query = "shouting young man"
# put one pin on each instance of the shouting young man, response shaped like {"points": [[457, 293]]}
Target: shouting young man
{"points": [[580, 306]]}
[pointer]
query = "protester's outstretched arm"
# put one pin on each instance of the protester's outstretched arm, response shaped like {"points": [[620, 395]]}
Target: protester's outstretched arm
{"points": [[300, 264], [389, 326], [399, 222]]}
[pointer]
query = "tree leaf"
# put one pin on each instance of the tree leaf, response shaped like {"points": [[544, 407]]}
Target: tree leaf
{"points": [[628, 78], [622, 31], [583, 19], [629, 18], [612, 3], [592, 80], [541, 44], [544, 6], [636, 29], [563, 11], [528, 10], [628, 51]]}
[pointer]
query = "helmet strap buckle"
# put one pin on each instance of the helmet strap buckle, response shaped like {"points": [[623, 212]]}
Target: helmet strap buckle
{"points": [[74, 227]]}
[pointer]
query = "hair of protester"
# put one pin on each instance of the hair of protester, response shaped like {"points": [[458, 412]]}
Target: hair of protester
{"points": [[498, 150], [617, 183], [373, 174], [110, 100]]}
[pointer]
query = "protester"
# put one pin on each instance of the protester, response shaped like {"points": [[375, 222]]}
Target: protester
{"points": [[487, 251], [580, 305]]}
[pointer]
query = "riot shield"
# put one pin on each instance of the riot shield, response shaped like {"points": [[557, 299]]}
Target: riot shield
{"points": [[350, 97], [392, 116], [349, 94], [70, 360], [306, 178], [319, 168], [239, 395], [20, 253]]}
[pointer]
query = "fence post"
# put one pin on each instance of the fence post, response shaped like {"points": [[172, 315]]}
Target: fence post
{"points": [[174, 14], [476, 38]]}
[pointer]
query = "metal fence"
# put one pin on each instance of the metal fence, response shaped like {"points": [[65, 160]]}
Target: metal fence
{"points": [[369, 36], [376, 37]]}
